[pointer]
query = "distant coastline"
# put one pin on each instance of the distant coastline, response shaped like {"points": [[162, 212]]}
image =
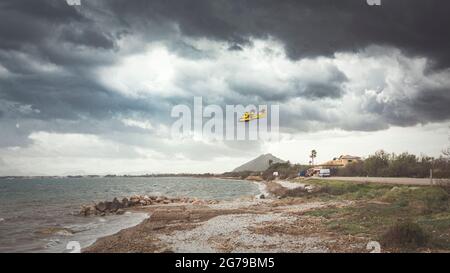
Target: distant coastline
{"points": [[205, 175]]}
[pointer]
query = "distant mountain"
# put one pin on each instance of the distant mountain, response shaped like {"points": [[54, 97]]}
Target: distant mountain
{"points": [[259, 164]]}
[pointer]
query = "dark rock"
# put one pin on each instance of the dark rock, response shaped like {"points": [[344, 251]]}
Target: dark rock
{"points": [[108, 205], [84, 211], [125, 202], [101, 207], [115, 205], [134, 200], [115, 200]]}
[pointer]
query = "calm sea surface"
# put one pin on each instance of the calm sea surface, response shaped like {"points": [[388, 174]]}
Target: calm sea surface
{"points": [[38, 215]]}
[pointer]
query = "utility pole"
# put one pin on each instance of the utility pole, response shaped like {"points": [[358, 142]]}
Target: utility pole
{"points": [[431, 171], [431, 176]]}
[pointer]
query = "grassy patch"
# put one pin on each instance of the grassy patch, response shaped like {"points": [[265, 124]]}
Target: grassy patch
{"points": [[350, 190], [325, 212], [438, 225], [426, 199], [362, 219]]}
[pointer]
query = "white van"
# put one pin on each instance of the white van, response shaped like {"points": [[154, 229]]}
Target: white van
{"points": [[324, 173]]}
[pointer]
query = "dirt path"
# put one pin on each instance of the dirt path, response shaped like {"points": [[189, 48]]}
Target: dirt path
{"points": [[384, 180]]}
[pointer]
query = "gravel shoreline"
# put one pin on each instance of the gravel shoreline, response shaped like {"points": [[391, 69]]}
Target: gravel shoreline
{"points": [[256, 225]]}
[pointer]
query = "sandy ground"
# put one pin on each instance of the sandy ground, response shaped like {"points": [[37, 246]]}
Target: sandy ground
{"points": [[257, 225], [385, 180]]}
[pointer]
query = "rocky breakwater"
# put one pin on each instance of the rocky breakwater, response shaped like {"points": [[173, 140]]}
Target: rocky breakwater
{"points": [[117, 206]]}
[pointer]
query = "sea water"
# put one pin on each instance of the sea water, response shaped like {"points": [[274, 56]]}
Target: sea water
{"points": [[39, 214]]}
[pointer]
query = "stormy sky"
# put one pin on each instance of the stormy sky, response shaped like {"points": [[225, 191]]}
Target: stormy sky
{"points": [[89, 89]]}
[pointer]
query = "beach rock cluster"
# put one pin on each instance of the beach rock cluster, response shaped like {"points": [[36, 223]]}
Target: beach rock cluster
{"points": [[117, 206], [311, 188]]}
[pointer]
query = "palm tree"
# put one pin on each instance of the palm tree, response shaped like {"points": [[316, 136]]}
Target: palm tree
{"points": [[313, 155]]}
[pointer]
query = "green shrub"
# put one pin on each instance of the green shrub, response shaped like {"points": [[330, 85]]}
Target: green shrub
{"points": [[405, 235]]}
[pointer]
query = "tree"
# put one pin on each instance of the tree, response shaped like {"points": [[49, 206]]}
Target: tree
{"points": [[270, 162], [377, 164], [403, 165], [312, 156]]}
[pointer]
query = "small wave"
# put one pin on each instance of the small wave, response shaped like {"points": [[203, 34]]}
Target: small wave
{"points": [[262, 189], [77, 228], [155, 193], [55, 231]]}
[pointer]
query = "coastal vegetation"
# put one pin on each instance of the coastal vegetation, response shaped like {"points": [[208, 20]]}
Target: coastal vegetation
{"points": [[383, 164], [379, 164], [401, 218], [285, 170]]}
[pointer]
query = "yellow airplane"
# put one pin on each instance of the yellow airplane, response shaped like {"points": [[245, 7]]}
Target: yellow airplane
{"points": [[247, 116]]}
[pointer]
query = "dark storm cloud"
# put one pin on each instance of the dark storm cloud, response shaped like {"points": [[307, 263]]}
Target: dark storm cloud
{"points": [[331, 88], [428, 105], [32, 24], [186, 50], [235, 47], [322, 90], [309, 90], [88, 37], [50, 48], [308, 28], [315, 28], [76, 40], [69, 97], [52, 31], [433, 104]]}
